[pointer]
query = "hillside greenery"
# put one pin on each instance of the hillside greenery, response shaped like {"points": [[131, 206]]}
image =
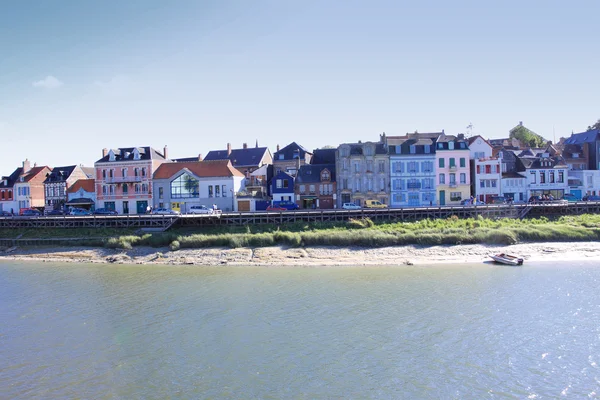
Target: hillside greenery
{"points": [[527, 137]]}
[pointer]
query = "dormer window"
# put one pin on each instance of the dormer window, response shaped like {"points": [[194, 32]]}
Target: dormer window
{"points": [[368, 151], [440, 146], [281, 157], [450, 145], [325, 175], [575, 155], [427, 149], [111, 155], [413, 149], [136, 154]]}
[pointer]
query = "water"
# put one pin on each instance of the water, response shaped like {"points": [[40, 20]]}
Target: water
{"points": [[469, 331]]}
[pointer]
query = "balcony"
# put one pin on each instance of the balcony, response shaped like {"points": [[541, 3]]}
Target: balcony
{"points": [[121, 179], [452, 168], [452, 184]]}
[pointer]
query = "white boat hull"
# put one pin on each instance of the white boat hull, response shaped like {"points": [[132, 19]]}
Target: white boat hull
{"points": [[507, 259]]}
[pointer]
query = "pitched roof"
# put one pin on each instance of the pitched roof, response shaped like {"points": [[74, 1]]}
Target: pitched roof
{"points": [[290, 151], [11, 179], [127, 154], [201, 169], [512, 174], [88, 185], [34, 172], [311, 173], [89, 171], [584, 137], [248, 157], [60, 174]]}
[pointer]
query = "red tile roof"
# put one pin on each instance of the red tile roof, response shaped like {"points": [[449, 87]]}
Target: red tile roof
{"points": [[202, 169], [88, 185], [35, 171]]}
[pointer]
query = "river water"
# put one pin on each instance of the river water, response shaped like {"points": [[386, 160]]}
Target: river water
{"points": [[452, 331]]}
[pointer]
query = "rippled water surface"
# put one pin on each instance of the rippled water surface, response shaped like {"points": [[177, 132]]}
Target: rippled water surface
{"points": [[470, 331]]}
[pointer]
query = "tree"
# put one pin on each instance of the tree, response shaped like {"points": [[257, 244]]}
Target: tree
{"points": [[595, 126], [527, 138]]}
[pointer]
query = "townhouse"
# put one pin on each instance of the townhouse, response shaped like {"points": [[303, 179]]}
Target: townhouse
{"points": [[452, 164], [362, 171], [82, 194], [124, 178], [181, 185], [29, 187], [546, 172], [316, 182], [486, 170], [59, 180]]}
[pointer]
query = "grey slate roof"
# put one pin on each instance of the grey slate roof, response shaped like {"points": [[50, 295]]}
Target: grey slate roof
{"points": [[126, 154], [311, 173], [60, 174], [289, 151], [11, 179], [248, 157], [323, 156], [584, 137]]}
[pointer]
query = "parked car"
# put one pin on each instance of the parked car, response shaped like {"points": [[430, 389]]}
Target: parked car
{"points": [[165, 211], [571, 197], [497, 200], [55, 212], [288, 205], [31, 212], [200, 210], [105, 211], [5, 214], [591, 198], [374, 204], [350, 206], [79, 212], [276, 208]]}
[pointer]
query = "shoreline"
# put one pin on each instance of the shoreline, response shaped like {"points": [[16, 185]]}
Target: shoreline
{"points": [[317, 256]]}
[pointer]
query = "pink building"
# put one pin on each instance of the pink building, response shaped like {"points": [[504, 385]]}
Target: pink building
{"points": [[124, 178]]}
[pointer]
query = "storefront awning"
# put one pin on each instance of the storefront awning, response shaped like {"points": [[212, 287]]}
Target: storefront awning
{"points": [[79, 201]]}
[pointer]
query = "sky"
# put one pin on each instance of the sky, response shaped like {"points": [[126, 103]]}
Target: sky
{"points": [[79, 76]]}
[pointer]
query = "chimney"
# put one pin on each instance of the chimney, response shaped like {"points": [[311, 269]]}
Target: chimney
{"points": [[256, 144], [104, 152], [228, 149], [245, 145], [461, 136], [520, 123], [26, 166], [200, 157], [277, 147], [166, 152]]}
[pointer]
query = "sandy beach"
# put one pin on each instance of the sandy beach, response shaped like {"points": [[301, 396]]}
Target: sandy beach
{"points": [[308, 256]]}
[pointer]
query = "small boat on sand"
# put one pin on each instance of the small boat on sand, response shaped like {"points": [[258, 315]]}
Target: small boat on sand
{"points": [[508, 259]]}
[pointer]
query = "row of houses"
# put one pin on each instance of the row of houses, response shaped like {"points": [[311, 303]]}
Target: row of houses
{"points": [[415, 169]]}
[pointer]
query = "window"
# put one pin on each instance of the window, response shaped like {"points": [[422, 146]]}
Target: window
{"points": [[144, 188], [137, 188], [278, 184], [356, 167], [223, 191], [427, 166], [413, 149], [441, 161], [479, 154], [482, 184], [302, 188], [452, 162], [381, 166], [126, 189], [463, 163], [311, 189], [111, 173], [398, 167], [210, 191], [453, 179], [123, 172], [368, 151], [103, 174], [542, 177], [143, 171], [286, 183], [217, 191], [561, 177], [185, 186], [325, 175], [427, 149], [478, 169], [442, 179], [369, 166], [281, 157], [551, 176], [450, 145], [494, 183], [161, 192], [345, 183], [463, 178], [532, 175], [136, 171], [382, 184], [455, 196], [346, 164], [412, 166]]}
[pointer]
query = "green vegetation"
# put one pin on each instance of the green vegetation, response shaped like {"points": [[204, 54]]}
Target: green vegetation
{"points": [[528, 137], [356, 232]]}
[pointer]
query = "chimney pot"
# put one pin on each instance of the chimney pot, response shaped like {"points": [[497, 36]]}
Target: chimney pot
{"points": [[166, 152], [277, 147], [200, 157], [26, 165], [104, 152], [228, 149], [245, 145]]}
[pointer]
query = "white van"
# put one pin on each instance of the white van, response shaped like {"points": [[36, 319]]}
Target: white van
{"points": [[200, 210]]}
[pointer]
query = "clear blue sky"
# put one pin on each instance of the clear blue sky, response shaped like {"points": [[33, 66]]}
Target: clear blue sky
{"points": [[77, 76]]}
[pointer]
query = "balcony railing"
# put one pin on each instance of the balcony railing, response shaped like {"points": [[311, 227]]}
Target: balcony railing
{"points": [[452, 184], [452, 168], [123, 179], [414, 185]]}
